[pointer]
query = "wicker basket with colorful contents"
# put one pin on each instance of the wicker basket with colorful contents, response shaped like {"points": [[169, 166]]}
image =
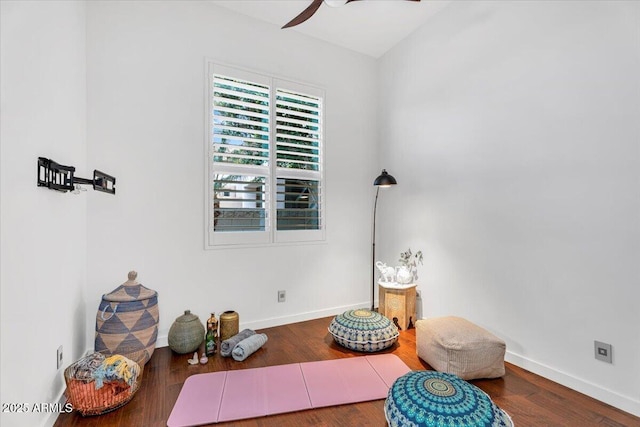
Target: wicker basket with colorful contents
{"points": [[97, 384]]}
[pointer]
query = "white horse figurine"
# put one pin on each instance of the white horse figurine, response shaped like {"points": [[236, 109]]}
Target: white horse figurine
{"points": [[388, 273]]}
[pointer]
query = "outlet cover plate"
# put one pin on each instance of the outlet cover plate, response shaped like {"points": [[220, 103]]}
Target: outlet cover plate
{"points": [[282, 296], [603, 351], [59, 357]]}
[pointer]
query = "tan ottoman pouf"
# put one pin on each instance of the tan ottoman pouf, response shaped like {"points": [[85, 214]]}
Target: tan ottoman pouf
{"points": [[456, 346]]}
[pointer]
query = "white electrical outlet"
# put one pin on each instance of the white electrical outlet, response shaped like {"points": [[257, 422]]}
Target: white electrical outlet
{"points": [[603, 351], [282, 296], [59, 357]]}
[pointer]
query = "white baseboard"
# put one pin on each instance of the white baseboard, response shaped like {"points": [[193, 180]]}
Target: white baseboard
{"points": [[624, 403], [163, 341]]}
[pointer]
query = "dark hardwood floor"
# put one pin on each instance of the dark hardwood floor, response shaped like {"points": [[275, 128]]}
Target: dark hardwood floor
{"points": [[529, 399]]}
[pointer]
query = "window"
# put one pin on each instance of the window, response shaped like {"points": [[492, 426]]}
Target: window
{"points": [[265, 165]]}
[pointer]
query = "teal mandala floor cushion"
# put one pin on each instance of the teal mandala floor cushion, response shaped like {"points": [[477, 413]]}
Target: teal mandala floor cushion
{"points": [[430, 398], [363, 330]]}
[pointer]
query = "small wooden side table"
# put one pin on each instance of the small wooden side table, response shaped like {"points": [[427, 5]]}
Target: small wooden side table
{"points": [[398, 303]]}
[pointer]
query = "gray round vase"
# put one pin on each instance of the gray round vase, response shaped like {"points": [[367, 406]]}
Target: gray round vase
{"points": [[186, 334]]}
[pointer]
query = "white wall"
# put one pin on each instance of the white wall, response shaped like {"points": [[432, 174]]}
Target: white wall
{"points": [[43, 258], [512, 128], [145, 78]]}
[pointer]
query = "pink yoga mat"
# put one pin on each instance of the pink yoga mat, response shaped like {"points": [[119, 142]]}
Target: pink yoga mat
{"points": [[249, 393], [199, 400], [341, 381], [389, 366], [257, 392]]}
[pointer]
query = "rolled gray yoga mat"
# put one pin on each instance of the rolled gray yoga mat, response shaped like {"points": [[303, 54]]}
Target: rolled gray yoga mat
{"points": [[226, 346], [248, 346]]}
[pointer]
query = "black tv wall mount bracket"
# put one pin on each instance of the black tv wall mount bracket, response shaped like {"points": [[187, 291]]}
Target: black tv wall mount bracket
{"points": [[59, 177]]}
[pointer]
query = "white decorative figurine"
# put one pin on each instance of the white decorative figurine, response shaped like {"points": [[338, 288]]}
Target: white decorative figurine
{"points": [[388, 273], [404, 275], [193, 361]]}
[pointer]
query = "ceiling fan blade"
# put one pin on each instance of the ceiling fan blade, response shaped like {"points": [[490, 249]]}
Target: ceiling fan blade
{"points": [[349, 1], [304, 15]]}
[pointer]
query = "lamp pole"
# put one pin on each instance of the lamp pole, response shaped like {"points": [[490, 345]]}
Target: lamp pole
{"points": [[383, 180], [373, 253]]}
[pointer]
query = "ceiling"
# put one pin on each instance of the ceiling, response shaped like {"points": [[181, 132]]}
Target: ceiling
{"points": [[370, 27]]}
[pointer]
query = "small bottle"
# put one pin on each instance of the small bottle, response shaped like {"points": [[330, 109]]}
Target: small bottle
{"points": [[211, 339]]}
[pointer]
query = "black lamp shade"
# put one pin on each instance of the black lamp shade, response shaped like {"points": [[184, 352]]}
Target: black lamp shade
{"points": [[385, 180]]}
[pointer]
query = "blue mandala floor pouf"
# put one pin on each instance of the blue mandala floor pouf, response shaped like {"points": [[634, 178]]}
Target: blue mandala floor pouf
{"points": [[430, 398], [363, 330]]}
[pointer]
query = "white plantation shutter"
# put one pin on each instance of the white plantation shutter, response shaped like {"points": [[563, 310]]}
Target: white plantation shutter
{"points": [[298, 204], [298, 160], [240, 121], [265, 181], [240, 203], [298, 131]]}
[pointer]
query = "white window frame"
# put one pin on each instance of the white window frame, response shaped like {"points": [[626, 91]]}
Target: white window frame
{"points": [[270, 236]]}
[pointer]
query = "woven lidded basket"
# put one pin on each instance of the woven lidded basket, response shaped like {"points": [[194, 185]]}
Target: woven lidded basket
{"points": [[88, 400], [127, 321]]}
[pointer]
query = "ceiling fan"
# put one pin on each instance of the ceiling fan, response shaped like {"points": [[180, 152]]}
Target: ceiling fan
{"points": [[313, 8]]}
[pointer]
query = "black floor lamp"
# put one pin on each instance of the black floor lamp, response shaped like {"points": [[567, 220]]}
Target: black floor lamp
{"points": [[383, 180]]}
